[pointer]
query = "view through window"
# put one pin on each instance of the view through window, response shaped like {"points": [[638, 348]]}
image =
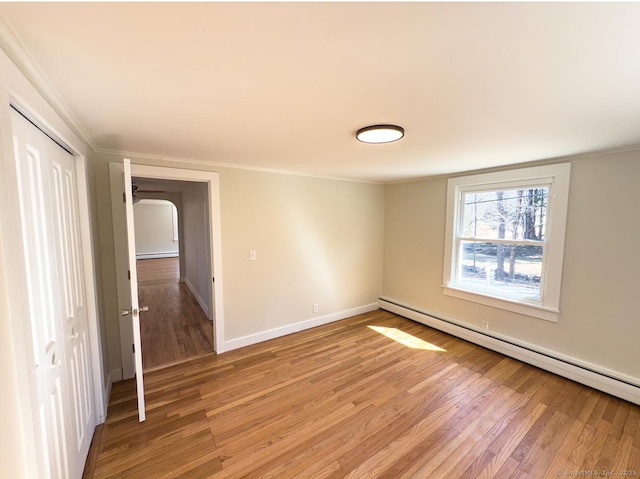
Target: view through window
{"points": [[502, 242]]}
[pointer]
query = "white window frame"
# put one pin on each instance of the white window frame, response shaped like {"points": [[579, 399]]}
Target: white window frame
{"points": [[556, 178]]}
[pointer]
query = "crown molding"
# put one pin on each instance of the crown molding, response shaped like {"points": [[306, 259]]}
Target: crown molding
{"points": [[216, 164], [524, 164], [15, 49]]}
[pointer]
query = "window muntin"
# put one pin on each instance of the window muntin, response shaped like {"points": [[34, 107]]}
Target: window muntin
{"points": [[520, 212], [505, 239]]}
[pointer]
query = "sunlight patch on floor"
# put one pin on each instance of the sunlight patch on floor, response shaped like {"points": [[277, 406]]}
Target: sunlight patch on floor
{"points": [[406, 339]]}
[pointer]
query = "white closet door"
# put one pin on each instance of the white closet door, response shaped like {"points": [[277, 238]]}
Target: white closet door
{"points": [[63, 410]]}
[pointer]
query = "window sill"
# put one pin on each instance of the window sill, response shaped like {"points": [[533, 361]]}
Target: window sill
{"points": [[520, 307]]}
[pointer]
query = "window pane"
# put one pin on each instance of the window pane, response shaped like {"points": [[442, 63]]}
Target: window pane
{"points": [[505, 214], [514, 270]]}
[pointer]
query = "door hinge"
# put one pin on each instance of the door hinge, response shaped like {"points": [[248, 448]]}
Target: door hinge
{"points": [[213, 279], [124, 197], [129, 274], [133, 348]]}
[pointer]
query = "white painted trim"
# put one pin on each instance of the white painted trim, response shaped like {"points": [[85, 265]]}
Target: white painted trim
{"points": [[15, 49], [597, 377], [106, 394], [520, 307], [96, 353], [15, 281], [217, 164], [196, 295], [296, 327]]}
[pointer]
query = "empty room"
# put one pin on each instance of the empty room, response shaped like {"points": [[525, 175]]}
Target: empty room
{"points": [[319, 240]]}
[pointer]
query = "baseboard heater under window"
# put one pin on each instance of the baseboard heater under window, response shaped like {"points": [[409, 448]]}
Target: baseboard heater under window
{"points": [[593, 376]]}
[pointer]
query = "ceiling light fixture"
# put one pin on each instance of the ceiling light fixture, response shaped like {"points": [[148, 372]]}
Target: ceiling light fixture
{"points": [[380, 133]]}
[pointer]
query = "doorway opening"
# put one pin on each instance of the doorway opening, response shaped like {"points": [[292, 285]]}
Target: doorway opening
{"points": [[196, 295], [177, 326]]}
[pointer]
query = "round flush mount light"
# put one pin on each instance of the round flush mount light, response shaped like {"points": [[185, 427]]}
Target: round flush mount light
{"points": [[380, 133]]}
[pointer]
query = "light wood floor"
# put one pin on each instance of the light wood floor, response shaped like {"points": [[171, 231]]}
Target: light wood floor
{"points": [[344, 401], [175, 328]]}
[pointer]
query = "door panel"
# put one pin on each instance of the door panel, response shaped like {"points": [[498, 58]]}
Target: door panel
{"points": [[133, 288], [57, 317], [58, 455], [74, 312]]}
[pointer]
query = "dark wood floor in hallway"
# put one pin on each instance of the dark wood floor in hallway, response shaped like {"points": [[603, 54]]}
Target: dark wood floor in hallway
{"points": [[175, 328], [373, 396]]}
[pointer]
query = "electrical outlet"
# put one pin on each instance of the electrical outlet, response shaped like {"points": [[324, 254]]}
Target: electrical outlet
{"points": [[315, 308], [485, 325], [253, 255]]}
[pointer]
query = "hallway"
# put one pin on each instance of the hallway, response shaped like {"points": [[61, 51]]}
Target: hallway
{"points": [[175, 328]]}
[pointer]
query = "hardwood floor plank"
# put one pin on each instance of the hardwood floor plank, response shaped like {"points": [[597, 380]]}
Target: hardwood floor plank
{"points": [[508, 470], [478, 455], [90, 465], [632, 423], [158, 270], [175, 328], [342, 400], [623, 455], [634, 460], [509, 440], [562, 457], [394, 450], [619, 420], [470, 441], [581, 447], [597, 445]]}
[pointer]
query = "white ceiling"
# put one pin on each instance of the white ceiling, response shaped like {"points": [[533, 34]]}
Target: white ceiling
{"points": [[284, 86]]}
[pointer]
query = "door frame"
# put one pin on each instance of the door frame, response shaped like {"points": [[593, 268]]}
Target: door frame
{"points": [[212, 180]]}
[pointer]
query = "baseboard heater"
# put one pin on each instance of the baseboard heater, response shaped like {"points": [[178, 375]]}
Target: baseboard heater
{"points": [[170, 254], [611, 382]]}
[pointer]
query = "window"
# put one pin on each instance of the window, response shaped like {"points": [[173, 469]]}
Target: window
{"points": [[505, 239]]}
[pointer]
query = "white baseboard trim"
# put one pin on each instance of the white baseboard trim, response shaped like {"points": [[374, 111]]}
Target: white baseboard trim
{"points": [[296, 327], [199, 299], [597, 377], [170, 254]]}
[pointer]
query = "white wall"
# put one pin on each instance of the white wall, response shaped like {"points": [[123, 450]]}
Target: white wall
{"points": [[154, 229], [598, 323], [317, 242], [176, 199], [196, 251], [12, 442]]}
